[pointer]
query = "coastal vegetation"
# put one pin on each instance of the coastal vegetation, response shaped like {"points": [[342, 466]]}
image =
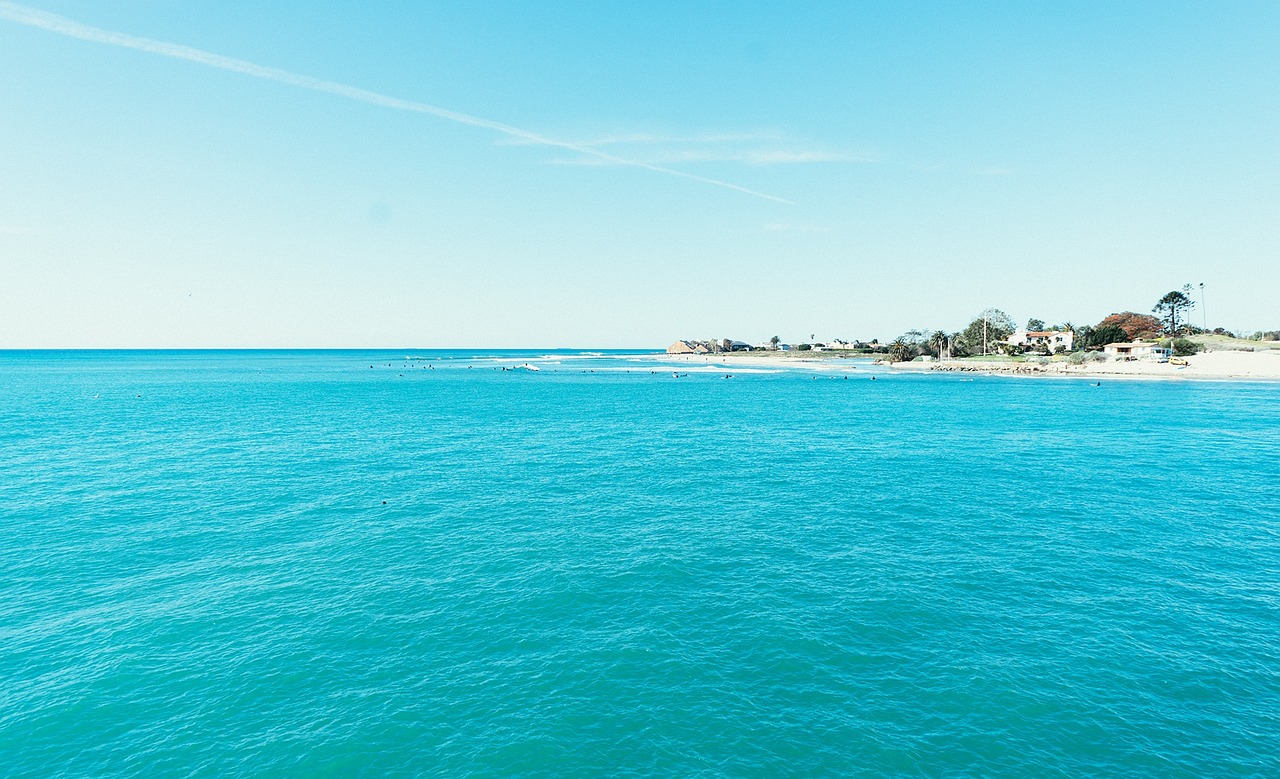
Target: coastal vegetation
{"points": [[1134, 325], [993, 334], [1172, 303], [984, 333]]}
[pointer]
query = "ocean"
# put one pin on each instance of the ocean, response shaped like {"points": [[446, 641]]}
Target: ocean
{"points": [[412, 563]]}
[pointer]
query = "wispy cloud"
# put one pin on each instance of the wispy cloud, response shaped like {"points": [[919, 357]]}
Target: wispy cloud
{"points": [[971, 170], [73, 29], [750, 148], [789, 227], [793, 157], [746, 156], [655, 139]]}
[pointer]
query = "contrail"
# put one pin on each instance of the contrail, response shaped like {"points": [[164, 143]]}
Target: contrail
{"points": [[73, 29]]}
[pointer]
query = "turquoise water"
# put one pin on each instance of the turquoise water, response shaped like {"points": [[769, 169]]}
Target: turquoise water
{"points": [[352, 564]]}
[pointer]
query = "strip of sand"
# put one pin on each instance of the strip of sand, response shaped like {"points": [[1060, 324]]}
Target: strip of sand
{"points": [[814, 361], [1217, 365]]}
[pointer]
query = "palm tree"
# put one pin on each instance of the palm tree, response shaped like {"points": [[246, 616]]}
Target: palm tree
{"points": [[901, 350], [939, 341], [774, 341]]}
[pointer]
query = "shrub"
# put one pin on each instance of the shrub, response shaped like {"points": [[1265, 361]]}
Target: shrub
{"points": [[1132, 324], [1184, 348]]}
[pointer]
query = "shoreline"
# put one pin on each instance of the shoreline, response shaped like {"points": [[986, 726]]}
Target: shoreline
{"points": [[1206, 366], [1221, 365], [815, 361]]}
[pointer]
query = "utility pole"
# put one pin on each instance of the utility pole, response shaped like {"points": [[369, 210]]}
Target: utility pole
{"points": [[984, 334], [1204, 313]]}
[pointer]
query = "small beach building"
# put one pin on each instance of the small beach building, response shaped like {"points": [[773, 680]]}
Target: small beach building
{"points": [[1148, 349], [1039, 339]]}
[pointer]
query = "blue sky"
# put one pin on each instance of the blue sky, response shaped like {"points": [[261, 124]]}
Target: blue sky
{"points": [[908, 164]]}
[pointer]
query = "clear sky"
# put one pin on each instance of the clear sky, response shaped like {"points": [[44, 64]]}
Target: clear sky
{"points": [[619, 174]]}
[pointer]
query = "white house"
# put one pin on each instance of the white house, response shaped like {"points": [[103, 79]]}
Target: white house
{"points": [[1038, 339], [1138, 349]]}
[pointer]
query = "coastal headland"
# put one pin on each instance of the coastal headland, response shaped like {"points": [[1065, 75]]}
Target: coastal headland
{"points": [[1164, 344]]}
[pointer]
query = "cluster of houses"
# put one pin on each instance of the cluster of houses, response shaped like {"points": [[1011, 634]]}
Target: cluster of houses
{"points": [[717, 346], [1054, 341], [708, 347]]}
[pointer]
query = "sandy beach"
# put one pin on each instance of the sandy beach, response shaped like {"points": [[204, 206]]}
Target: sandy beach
{"points": [[1216, 365], [815, 361]]}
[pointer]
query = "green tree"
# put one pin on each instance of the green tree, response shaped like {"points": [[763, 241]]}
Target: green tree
{"points": [[984, 333], [1107, 334], [901, 350], [1035, 325], [774, 341], [1172, 304]]}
